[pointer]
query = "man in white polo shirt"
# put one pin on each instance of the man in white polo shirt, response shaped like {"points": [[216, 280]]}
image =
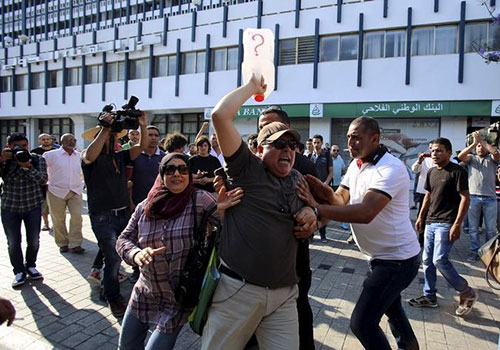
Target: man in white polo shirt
{"points": [[65, 191], [373, 197]]}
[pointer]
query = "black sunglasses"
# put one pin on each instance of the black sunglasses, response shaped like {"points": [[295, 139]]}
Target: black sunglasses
{"points": [[281, 144], [170, 169]]}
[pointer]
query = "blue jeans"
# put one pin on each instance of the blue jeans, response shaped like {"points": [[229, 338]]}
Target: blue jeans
{"points": [[107, 227], [437, 248], [134, 333], [381, 295], [12, 226], [488, 205]]}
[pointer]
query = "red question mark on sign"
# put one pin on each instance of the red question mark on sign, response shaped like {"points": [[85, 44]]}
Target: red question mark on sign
{"points": [[258, 45]]}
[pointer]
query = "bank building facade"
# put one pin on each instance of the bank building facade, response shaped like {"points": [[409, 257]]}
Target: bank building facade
{"points": [[412, 64]]}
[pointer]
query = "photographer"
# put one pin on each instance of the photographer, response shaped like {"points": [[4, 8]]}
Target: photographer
{"points": [[23, 174], [108, 199]]}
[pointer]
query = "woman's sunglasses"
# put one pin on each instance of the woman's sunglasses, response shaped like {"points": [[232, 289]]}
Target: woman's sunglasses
{"points": [[170, 169]]}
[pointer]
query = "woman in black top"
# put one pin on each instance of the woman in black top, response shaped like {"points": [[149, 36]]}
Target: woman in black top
{"points": [[203, 166]]}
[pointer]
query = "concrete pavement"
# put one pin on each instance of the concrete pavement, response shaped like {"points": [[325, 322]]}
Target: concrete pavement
{"points": [[64, 312]]}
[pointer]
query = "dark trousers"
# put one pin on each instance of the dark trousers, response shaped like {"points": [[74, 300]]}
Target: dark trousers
{"points": [[381, 295], [12, 226], [322, 232], [107, 227], [304, 311]]}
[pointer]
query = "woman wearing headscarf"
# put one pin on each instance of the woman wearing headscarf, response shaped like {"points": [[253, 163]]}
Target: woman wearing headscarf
{"points": [[158, 239]]}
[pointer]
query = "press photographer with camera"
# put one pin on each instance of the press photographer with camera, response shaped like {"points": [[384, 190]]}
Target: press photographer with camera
{"points": [[108, 199], [23, 174]]}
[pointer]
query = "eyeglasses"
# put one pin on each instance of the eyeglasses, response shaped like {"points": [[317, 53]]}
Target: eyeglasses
{"points": [[170, 169], [282, 144]]}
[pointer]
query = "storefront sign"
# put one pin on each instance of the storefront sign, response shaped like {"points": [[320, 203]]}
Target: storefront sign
{"points": [[316, 110], [480, 122], [397, 109], [495, 108]]}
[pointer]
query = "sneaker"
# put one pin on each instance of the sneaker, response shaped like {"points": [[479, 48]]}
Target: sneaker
{"points": [[117, 307], [34, 274], [466, 304], [472, 257], [94, 276], [19, 279], [134, 276], [63, 249], [324, 240], [423, 301], [351, 240]]}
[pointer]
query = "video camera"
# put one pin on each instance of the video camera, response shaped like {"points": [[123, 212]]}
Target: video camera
{"points": [[490, 134], [20, 154], [125, 118]]}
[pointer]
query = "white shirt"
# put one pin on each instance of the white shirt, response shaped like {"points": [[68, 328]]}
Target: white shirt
{"points": [[390, 235], [220, 157], [423, 169], [64, 171]]}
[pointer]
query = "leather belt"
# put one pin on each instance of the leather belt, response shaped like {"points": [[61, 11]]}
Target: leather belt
{"points": [[227, 271]]}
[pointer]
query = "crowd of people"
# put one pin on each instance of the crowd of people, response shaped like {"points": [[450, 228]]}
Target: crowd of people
{"points": [[148, 198]]}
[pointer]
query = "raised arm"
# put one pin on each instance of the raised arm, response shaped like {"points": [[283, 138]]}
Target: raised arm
{"points": [[136, 150], [464, 154], [226, 109]]}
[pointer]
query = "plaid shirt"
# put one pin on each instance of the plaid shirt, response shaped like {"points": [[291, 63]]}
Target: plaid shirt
{"points": [[22, 189], [152, 300]]}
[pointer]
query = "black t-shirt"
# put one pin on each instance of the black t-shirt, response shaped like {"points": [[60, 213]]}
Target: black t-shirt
{"points": [[304, 165], [40, 150], [444, 186], [208, 164], [107, 184]]}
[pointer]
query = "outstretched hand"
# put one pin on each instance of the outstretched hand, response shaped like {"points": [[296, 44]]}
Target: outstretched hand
{"points": [[145, 256], [322, 193], [228, 199]]}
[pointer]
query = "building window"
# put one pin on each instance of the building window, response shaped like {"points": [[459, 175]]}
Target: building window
{"points": [[8, 127], [38, 80], [395, 43], [305, 51], [172, 65], [188, 63], [161, 66], [348, 47], [296, 51], [374, 44], [56, 127], [232, 58], [475, 36], [6, 84], [139, 69], [55, 78], [219, 60], [288, 52], [200, 62], [22, 82], [422, 41], [73, 76], [446, 40], [494, 37], [115, 71], [329, 48], [94, 74], [188, 124]]}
